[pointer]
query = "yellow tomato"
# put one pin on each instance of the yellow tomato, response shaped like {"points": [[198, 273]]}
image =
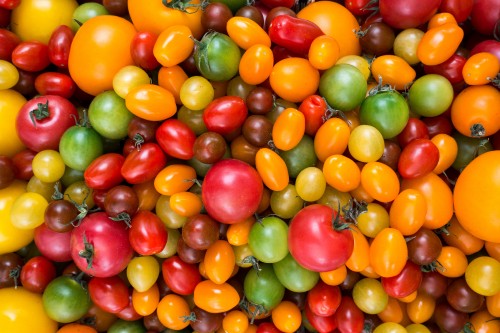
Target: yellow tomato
{"points": [[27, 211], [10, 103], [9, 75], [127, 78]]}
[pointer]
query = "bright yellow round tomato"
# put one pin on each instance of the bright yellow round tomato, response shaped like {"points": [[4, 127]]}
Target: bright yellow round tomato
{"points": [[48, 166], [374, 220], [310, 184], [288, 129], [388, 252], [142, 272], [151, 102], [215, 298], [393, 70], [341, 173], [256, 64], [93, 59], [407, 212], [28, 210], [146, 302], [219, 261], [246, 32], [366, 143], [389, 327], [272, 169], [22, 311], [324, 52], [196, 93], [173, 45], [331, 138], [127, 78], [294, 79], [482, 275], [10, 103], [9, 75], [438, 44], [36, 20], [172, 312], [286, 317], [380, 181]]}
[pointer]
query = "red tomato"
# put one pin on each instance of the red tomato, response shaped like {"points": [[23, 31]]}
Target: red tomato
{"points": [[143, 164], [450, 69], [147, 234], [176, 139], [323, 300], [278, 3], [350, 319], [60, 45], [460, 9], [53, 245], [32, 56], [408, 14], [231, 191], [314, 109], [180, 276], [37, 273], [8, 42], [320, 323], [405, 283], [104, 172], [318, 239], [418, 158], [141, 49], [53, 83], [293, 33], [110, 293], [225, 114], [100, 246], [414, 129], [485, 15]]}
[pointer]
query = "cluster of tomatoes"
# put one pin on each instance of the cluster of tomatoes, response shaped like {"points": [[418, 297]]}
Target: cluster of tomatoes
{"points": [[221, 166]]}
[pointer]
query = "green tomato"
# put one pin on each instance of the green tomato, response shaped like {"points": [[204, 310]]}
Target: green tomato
{"points": [[192, 118], [65, 299], [370, 296], [430, 95], [262, 287], [268, 239], [86, 11], [468, 149], [293, 276], [287, 202], [109, 116], [79, 146], [387, 111], [343, 86], [300, 157], [124, 326]]}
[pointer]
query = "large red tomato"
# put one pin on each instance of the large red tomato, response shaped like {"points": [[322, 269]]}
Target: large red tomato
{"points": [[231, 191], [407, 14], [318, 239]]}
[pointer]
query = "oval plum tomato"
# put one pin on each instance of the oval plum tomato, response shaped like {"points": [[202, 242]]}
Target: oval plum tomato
{"points": [[272, 169], [439, 44], [256, 64], [225, 114], [480, 68], [176, 139], [476, 186], [293, 33], [147, 234], [32, 56], [388, 252], [141, 50], [314, 107], [318, 239], [215, 298], [163, 50], [246, 32], [319, 323], [181, 277], [293, 79], [324, 299], [93, 60], [110, 293], [37, 273], [60, 45], [418, 158], [288, 129], [42, 121], [393, 70], [451, 69], [143, 164], [404, 283], [100, 246], [8, 42], [348, 316], [231, 191], [104, 172], [151, 102], [53, 83], [411, 14]]}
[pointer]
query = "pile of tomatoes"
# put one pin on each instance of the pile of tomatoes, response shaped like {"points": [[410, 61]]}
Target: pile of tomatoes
{"points": [[234, 166]]}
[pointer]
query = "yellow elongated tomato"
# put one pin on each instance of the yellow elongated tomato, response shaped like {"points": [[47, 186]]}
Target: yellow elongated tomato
{"points": [[366, 143], [480, 68], [22, 311], [36, 20], [331, 138], [172, 79], [127, 78], [421, 308], [288, 129], [237, 233], [157, 16], [219, 261], [272, 169], [151, 102], [174, 178], [341, 173], [324, 52], [215, 298], [448, 149], [438, 197], [172, 311], [9, 75], [407, 212], [186, 203], [393, 70], [293, 79], [453, 262], [246, 32], [100, 48], [173, 45], [388, 252], [27, 211], [10, 103], [142, 272], [334, 20], [380, 181], [360, 257], [146, 302], [256, 64], [439, 44], [310, 184], [476, 188]]}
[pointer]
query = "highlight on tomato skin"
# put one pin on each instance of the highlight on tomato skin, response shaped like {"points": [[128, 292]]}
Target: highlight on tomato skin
{"points": [[273, 166]]}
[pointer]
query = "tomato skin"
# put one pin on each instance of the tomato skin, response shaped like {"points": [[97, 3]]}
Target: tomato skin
{"points": [[31, 56], [37, 273], [225, 114], [110, 294], [480, 68], [141, 50], [393, 70], [349, 317], [104, 172], [459, 9], [439, 44], [404, 283], [60, 45], [246, 32], [418, 158], [272, 169], [320, 323], [314, 243], [112, 250], [176, 139], [215, 298], [293, 33], [8, 42], [450, 69], [324, 300], [314, 108], [409, 15], [53, 245], [180, 276], [483, 19], [143, 164], [147, 234], [388, 252]]}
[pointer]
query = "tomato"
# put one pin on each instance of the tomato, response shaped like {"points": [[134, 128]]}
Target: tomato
{"points": [[406, 43], [176, 139], [380, 181], [294, 79], [27, 211], [424, 99], [110, 293], [142, 273], [215, 298], [388, 252], [93, 61], [349, 317], [79, 146], [287, 317], [412, 163], [316, 239], [293, 276], [489, 45], [451, 69], [235, 321], [366, 143], [174, 178], [412, 15], [457, 236], [141, 50], [246, 32], [421, 308], [225, 114], [404, 283], [407, 212], [482, 18], [439, 44], [10, 75], [293, 33], [109, 116], [219, 261], [104, 172], [126, 326], [369, 296], [480, 173], [142, 165], [480, 68], [53, 83], [272, 169], [449, 319], [453, 262], [262, 287], [172, 312], [480, 273], [165, 53], [9, 43], [59, 45], [459, 9], [151, 102], [393, 70], [147, 233], [146, 302], [331, 138]]}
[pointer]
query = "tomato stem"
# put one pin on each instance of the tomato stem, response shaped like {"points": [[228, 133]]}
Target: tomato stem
{"points": [[123, 216], [444, 229], [57, 193], [14, 274], [353, 209], [138, 140], [254, 261], [83, 210], [477, 131], [184, 5], [191, 317], [468, 328], [433, 266], [40, 113], [88, 252], [338, 223], [257, 310]]}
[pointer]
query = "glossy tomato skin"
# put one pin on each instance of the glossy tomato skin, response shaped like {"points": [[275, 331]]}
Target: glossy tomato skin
{"points": [[225, 114], [37, 273], [141, 50], [295, 34], [176, 139], [180, 276], [109, 240], [405, 283], [53, 245], [418, 158], [483, 18], [409, 14], [450, 69], [147, 234], [8, 42], [45, 131], [53, 83], [60, 45], [110, 293], [231, 191], [104, 172], [314, 242], [143, 164], [350, 318], [31, 56]]}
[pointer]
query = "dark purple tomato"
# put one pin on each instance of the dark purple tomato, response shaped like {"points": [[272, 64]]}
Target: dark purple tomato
{"points": [[257, 129], [434, 284], [376, 38], [209, 147], [414, 129], [10, 268], [449, 319], [260, 100], [462, 298], [7, 171], [121, 199], [188, 254], [252, 13], [60, 215], [424, 247], [206, 322], [438, 125], [215, 17], [200, 231], [391, 154]]}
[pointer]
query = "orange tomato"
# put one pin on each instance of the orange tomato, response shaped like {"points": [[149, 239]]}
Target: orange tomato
{"points": [[360, 194], [421, 308], [395, 312], [438, 197], [76, 328], [484, 322], [100, 48], [380, 181], [334, 20], [151, 102], [335, 277], [324, 52], [359, 259], [480, 68], [331, 138], [388, 252], [439, 44], [393, 70], [172, 78], [235, 322], [215, 298], [475, 111], [272, 169], [246, 32], [237, 233], [219, 261], [173, 45], [293, 79], [174, 178], [147, 195], [493, 249], [186, 203], [146, 302], [475, 197], [459, 237], [453, 262], [407, 212], [493, 304], [341, 173], [256, 64], [156, 16], [440, 19], [288, 129], [448, 149], [286, 317], [172, 312]]}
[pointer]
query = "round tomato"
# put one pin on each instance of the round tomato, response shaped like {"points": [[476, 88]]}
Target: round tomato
{"points": [[293, 276], [430, 95], [294, 79], [11, 103], [409, 15], [108, 115]]}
